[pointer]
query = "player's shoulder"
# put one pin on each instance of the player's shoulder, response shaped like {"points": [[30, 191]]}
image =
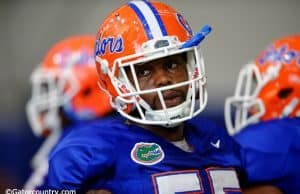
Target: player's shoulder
{"points": [[272, 126], [110, 121], [203, 120], [96, 133], [207, 126], [99, 126], [276, 139], [279, 133], [211, 132], [88, 149]]}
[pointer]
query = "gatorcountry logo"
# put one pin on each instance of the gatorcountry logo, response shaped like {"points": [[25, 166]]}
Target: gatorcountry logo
{"points": [[147, 153]]}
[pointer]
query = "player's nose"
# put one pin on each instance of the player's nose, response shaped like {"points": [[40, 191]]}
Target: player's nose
{"points": [[162, 78]]}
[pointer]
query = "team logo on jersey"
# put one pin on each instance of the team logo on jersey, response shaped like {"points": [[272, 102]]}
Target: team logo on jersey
{"points": [[147, 153]]}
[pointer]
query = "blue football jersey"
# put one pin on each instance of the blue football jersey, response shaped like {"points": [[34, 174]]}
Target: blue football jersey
{"points": [[109, 154], [271, 153]]}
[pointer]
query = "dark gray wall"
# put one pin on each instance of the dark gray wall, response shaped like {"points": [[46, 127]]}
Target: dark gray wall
{"points": [[241, 29]]}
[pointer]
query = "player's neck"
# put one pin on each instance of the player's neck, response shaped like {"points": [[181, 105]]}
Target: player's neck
{"points": [[170, 134]]}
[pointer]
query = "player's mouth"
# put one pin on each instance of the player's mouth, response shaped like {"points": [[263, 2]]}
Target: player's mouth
{"points": [[172, 98]]}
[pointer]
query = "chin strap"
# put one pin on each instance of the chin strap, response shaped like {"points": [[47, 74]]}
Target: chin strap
{"points": [[169, 114]]}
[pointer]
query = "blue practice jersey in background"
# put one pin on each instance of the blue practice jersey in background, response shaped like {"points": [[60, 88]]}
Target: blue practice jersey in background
{"points": [[271, 152], [109, 154]]}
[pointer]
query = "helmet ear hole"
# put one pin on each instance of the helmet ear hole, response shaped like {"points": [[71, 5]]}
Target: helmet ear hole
{"points": [[285, 92], [87, 91]]}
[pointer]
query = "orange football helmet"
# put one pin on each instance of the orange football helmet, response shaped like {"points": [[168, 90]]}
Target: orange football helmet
{"points": [[67, 80], [139, 32], [268, 88]]}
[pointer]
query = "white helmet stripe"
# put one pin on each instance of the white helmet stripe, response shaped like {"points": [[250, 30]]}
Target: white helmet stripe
{"points": [[152, 22]]}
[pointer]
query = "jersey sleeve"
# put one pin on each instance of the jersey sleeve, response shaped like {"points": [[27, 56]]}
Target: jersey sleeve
{"points": [[264, 151], [68, 167], [77, 159], [271, 153]]}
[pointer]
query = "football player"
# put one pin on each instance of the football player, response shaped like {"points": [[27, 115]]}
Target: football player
{"points": [[64, 95], [263, 115], [150, 64]]}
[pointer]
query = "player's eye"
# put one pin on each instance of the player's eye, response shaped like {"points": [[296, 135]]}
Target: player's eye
{"points": [[175, 63], [143, 70], [171, 65], [143, 73]]}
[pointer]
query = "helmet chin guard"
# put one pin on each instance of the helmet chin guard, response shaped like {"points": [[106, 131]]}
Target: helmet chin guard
{"points": [[180, 111]]}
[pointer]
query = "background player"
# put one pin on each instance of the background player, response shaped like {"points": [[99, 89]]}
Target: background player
{"points": [[266, 107], [64, 94]]}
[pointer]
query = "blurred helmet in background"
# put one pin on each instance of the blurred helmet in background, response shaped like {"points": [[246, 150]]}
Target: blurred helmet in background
{"points": [[64, 85], [268, 88]]}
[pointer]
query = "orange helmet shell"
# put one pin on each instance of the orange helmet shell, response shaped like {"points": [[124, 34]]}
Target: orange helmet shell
{"points": [[284, 88], [77, 55]]}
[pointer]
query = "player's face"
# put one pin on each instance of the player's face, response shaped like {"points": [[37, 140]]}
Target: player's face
{"points": [[163, 72]]}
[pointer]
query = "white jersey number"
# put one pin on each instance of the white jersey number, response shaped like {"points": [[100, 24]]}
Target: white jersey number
{"points": [[222, 181]]}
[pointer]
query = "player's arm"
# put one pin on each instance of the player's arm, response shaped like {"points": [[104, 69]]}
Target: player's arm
{"points": [[67, 168], [265, 189], [72, 165]]}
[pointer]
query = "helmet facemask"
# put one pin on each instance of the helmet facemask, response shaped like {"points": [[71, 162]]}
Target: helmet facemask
{"points": [[244, 107], [129, 93], [50, 91]]}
